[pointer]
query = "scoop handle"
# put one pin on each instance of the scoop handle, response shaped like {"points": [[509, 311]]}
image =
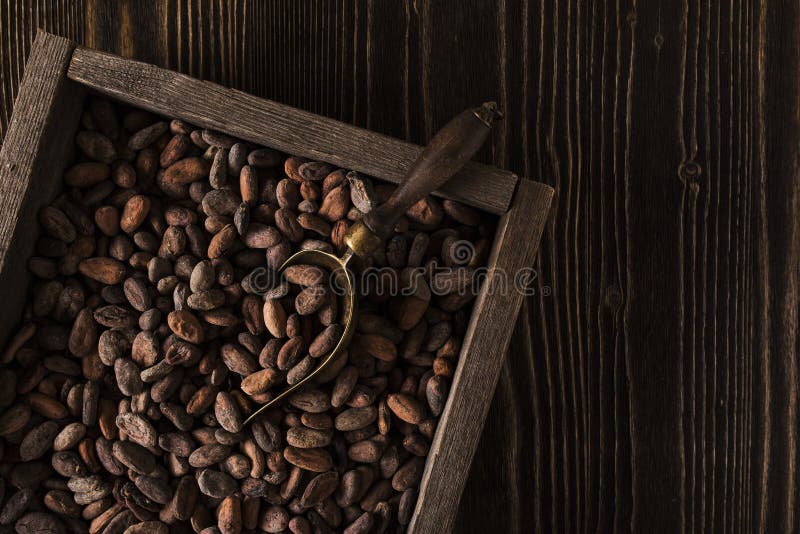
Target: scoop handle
{"points": [[449, 150]]}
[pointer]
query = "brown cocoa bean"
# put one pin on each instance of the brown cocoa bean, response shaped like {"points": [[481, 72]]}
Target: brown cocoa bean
{"points": [[38, 522], [148, 527], [229, 515], [274, 317], [134, 456], [308, 438], [227, 412], [104, 270], [208, 455], [260, 381], [57, 224], [335, 204], [409, 474], [68, 464], [186, 326], [186, 171], [147, 135], [136, 210], [87, 174], [356, 418], [261, 236], [96, 146], [38, 441], [83, 336], [311, 299], [216, 484], [315, 460], [287, 223], [238, 360], [222, 242], [138, 429]]}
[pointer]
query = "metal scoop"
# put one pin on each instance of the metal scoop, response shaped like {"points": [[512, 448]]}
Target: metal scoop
{"points": [[449, 150]]}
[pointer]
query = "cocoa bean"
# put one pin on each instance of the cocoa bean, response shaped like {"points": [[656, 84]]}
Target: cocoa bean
{"points": [[104, 270], [313, 459], [147, 135], [216, 484], [186, 171], [87, 174], [308, 438], [134, 456], [38, 441]]}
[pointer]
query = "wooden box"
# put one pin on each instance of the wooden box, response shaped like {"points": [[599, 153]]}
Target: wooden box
{"points": [[39, 143]]}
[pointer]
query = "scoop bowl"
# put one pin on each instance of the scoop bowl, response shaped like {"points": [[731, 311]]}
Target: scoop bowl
{"points": [[343, 282]]}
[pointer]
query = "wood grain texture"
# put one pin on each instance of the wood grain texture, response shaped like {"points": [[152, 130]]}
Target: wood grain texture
{"points": [[32, 159], [656, 387]]}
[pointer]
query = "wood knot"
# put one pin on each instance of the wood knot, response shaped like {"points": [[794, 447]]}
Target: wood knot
{"points": [[689, 171], [658, 40], [613, 297]]}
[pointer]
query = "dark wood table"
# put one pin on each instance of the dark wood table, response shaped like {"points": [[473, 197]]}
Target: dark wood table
{"points": [[652, 384]]}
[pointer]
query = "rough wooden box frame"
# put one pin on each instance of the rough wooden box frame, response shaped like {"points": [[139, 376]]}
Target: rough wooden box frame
{"points": [[38, 145]]}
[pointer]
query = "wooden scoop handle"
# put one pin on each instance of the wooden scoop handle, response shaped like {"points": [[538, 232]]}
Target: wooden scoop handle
{"points": [[449, 150]]}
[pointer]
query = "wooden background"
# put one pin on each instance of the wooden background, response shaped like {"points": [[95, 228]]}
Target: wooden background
{"points": [[652, 384]]}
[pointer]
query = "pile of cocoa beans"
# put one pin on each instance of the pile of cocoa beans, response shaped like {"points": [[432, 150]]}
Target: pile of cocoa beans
{"points": [[146, 343]]}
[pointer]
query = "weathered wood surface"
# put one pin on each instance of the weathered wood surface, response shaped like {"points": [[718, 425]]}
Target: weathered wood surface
{"points": [[278, 126], [656, 387], [37, 146]]}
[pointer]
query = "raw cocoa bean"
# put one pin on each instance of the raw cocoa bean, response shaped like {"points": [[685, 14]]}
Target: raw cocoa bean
{"points": [[308, 438], [136, 210], [238, 360], [69, 437], [261, 236], [37, 522], [134, 456], [175, 150], [208, 455], [96, 146], [87, 174], [38, 441], [260, 381], [148, 527], [57, 224], [83, 337], [286, 221], [409, 474], [218, 174], [216, 484], [104, 270], [147, 135], [227, 412], [274, 317], [186, 326], [362, 193], [311, 299], [356, 418], [138, 429], [314, 459], [319, 488], [186, 171]]}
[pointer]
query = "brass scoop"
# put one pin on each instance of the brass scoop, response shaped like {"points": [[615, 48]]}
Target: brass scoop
{"points": [[449, 150]]}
